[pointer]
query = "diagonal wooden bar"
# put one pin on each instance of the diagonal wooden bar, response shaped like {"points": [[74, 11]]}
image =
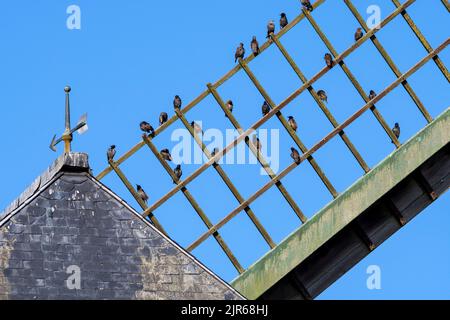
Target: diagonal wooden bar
{"points": [[286, 125], [283, 104], [228, 182], [204, 94], [283, 121], [352, 78], [390, 62], [422, 38], [445, 3], [317, 146], [195, 205], [322, 106], [135, 195], [254, 150]]}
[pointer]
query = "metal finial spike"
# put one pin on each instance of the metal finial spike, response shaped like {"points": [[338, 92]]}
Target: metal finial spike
{"points": [[81, 127]]}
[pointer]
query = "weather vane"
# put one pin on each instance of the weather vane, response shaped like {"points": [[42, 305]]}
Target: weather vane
{"points": [[67, 136]]}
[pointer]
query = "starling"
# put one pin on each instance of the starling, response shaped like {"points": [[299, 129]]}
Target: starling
{"points": [[265, 108], [292, 123], [329, 60], [111, 153], [396, 131], [255, 46], [142, 194], [270, 28], [166, 154], [196, 127], [214, 152], [257, 143], [307, 5], [283, 20], [358, 34], [240, 52], [162, 118], [146, 127], [295, 155], [322, 95], [229, 106], [178, 173], [372, 94], [177, 102]]}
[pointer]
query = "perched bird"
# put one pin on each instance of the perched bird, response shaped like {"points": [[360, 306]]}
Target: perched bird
{"points": [[229, 106], [396, 131], [256, 143], [165, 153], [270, 28], [111, 153], [307, 5], [196, 127], [283, 20], [214, 152], [255, 46], [177, 102], [265, 108], [372, 94], [322, 95], [146, 127], [163, 118], [358, 34], [240, 52], [178, 173], [329, 60], [295, 155], [142, 193], [292, 123]]}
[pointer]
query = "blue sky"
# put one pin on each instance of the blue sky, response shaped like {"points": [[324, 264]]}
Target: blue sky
{"points": [[131, 57]]}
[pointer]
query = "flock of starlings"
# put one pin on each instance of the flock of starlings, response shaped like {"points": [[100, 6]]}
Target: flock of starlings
{"points": [[240, 54]]}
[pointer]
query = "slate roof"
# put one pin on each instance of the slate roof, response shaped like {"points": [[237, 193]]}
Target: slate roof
{"points": [[67, 219]]}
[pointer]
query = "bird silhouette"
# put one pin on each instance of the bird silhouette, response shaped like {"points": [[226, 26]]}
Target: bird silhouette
{"points": [[196, 127], [229, 106], [322, 95], [146, 127], [256, 143], [265, 108], [295, 155], [396, 130], [240, 52], [292, 123], [177, 102], [307, 5], [270, 28], [165, 154], [358, 34], [144, 197], [283, 20], [372, 94], [254, 45], [329, 60], [111, 153], [163, 118], [178, 173]]}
